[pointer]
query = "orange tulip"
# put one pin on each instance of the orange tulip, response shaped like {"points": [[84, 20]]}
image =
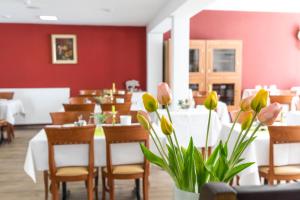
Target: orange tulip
{"points": [[268, 115], [164, 95], [245, 104]]}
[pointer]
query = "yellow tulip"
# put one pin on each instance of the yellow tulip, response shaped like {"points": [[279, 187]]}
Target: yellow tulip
{"points": [[143, 121], [211, 101], [150, 103], [166, 126], [260, 100], [247, 121], [245, 104]]}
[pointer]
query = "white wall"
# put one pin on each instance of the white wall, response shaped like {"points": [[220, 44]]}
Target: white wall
{"points": [[39, 102]]}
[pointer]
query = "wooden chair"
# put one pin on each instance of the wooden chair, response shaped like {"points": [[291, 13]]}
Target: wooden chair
{"points": [[80, 107], [7, 95], [7, 127], [127, 96], [60, 118], [282, 99], [199, 100], [281, 135], [71, 136], [90, 92], [118, 106], [124, 134], [78, 100], [119, 113]]}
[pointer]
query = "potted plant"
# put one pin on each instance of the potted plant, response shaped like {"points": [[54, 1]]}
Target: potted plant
{"points": [[187, 167]]}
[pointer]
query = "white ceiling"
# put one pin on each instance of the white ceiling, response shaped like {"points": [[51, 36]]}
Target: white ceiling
{"points": [[123, 12], [289, 6], [86, 12]]}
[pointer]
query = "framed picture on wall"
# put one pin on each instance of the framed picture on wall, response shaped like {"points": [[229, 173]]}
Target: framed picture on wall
{"points": [[64, 49]]}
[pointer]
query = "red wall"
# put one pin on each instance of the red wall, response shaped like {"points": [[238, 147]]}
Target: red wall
{"points": [[271, 52], [105, 55]]}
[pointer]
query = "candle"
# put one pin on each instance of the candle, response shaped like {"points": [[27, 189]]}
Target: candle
{"points": [[114, 88], [209, 88], [113, 109]]}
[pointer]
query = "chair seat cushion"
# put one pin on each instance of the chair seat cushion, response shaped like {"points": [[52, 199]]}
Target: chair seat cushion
{"points": [[282, 170], [126, 169], [73, 171]]}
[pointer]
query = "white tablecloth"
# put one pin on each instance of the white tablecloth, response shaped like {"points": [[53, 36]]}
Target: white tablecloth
{"points": [[222, 112], [11, 108], [76, 155], [258, 152], [252, 92], [293, 118], [193, 123]]}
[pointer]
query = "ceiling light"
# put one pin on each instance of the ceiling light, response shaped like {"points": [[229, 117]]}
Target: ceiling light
{"points": [[6, 16], [48, 18], [107, 10]]}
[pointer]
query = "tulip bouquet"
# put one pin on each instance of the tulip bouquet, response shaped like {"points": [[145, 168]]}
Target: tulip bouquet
{"points": [[187, 166]]}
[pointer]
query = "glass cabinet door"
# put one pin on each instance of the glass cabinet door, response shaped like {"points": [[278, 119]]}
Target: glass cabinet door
{"points": [[197, 59], [224, 57], [226, 92], [194, 60], [223, 60]]}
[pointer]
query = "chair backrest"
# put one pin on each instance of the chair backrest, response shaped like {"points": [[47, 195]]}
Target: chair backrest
{"points": [[282, 99], [127, 96], [118, 106], [60, 118], [7, 95], [199, 100], [90, 92], [281, 135], [109, 118], [80, 107], [78, 100], [70, 136], [124, 134]]}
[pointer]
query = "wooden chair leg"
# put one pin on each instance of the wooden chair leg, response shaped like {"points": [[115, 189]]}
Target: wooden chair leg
{"points": [[46, 184], [90, 188], [54, 190], [111, 186], [145, 188]]}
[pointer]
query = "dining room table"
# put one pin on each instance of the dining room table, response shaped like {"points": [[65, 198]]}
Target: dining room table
{"points": [[221, 110], [10, 109], [75, 155], [192, 123], [258, 152]]}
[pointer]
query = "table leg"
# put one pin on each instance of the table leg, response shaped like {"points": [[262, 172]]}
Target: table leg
{"points": [[2, 136], [64, 191], [137, 189]]}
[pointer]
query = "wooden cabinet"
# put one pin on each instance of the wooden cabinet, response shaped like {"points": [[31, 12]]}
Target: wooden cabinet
{"points": [[215, 64]]}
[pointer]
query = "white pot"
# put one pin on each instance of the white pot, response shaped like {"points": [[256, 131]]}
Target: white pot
{"points": [[183, 195]]}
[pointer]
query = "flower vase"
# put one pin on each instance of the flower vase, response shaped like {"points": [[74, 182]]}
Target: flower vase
{"points": [[184, 195]]}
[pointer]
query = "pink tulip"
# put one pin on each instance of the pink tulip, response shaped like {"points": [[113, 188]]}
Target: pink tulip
{"points": [[164, 95], [268, 115]]}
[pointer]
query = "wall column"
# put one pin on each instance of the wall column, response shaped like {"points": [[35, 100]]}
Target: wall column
{"points": [[179, 74], [154, 61]]}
